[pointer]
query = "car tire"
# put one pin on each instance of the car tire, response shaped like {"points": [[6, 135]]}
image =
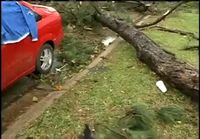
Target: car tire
{"points": [[44, 60]]}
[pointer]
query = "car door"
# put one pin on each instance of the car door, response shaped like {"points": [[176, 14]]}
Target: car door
{"points": [[17, 58]]}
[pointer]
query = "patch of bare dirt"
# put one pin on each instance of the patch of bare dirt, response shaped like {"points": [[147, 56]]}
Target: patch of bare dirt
{"points": [[17, 108]]}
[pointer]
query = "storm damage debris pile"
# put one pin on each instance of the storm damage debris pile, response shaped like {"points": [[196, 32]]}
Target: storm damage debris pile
{"points": [[139, 122]]}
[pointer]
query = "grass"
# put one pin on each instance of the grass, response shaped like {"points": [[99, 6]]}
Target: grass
{"points": [[106, 94]]}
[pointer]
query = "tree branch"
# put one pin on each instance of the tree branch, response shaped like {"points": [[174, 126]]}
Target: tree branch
{"points": [[168, 12], [184, 33], [191, 48]]}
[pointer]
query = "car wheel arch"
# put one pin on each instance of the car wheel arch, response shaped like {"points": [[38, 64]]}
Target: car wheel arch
{"points": [[50, 42]]}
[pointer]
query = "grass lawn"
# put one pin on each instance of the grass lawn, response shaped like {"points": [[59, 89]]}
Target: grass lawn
{"points": [[104, 96]]}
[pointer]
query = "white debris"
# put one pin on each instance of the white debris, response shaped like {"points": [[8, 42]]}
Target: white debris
{"points": [[179, 122], [35, 99], [108, 40], [70, 28], [87, 28], [160, 84], [60, 69], [93, 130]]}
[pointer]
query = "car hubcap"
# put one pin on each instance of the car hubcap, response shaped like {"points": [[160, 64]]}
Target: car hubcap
{"points": [[46, 59]]}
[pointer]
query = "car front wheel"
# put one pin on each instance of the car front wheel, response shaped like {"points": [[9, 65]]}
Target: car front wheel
{"points": [[45, 59]]}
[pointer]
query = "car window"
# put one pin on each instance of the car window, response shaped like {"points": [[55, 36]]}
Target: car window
{"points": [[37, 16]]}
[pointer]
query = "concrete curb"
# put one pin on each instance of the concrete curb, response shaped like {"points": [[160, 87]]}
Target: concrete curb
{"points": [[37, 109]]}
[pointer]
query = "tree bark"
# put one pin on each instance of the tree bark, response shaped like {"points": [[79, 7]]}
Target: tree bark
{"points": [[179, 74]]}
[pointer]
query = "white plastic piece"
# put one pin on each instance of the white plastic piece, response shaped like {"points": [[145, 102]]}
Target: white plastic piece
{"points": [[58, 70], [160, 84], [108, 40]]}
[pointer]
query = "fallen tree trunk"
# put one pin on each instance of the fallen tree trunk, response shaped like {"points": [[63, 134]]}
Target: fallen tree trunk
{"points": [[177, 73]]}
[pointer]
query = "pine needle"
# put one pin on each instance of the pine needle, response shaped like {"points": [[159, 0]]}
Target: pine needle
{"points": [[171, 114], [139, 118]]}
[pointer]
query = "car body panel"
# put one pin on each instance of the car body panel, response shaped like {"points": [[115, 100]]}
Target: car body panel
{"points": [[19, 59]]}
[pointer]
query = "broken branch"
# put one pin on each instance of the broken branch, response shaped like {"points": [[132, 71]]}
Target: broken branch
{"points": [[191, 48], [184, 33], [168, 12]]}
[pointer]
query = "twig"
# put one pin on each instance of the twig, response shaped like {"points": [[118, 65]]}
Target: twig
{"points": [[184, 33], [59, 69], [162, 17], [191, 48]]}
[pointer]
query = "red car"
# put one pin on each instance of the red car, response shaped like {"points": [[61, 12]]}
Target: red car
{"points": [[27, 56]]}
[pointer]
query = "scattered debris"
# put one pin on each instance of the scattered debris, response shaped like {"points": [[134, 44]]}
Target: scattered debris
{"points": [[73, 61], [108, 40], [60, 69], [70, 28], [56, 64], [160, 84], [139, 122], [35, 99], [140, 117], [179, 122], [59, 87], [92, 56], [80, 110], [87, 28], [171, 114]]}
